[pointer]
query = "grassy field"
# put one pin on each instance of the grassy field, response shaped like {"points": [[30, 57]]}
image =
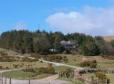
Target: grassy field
{"points": [[110, 76], [24, 75], [102, 62], [18, 74], [21, 74], [11, 65], [108, 38], [72, 60], [72, 81]]}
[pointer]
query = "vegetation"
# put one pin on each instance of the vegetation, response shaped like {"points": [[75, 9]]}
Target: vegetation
{"points": [[101, 78], [41, 70], [101, 75], [47, 45], [25, 75], [13, 65], [30, 72], [68, 73], [91, 64], [42, 42], [56, 58]]}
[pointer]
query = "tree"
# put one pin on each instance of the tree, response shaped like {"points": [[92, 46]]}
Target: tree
{"points": [[55, 39], [41, 43], [112, 43], [89, 47], [28, 43]]}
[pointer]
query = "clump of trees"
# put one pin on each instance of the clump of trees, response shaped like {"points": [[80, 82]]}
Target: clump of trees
{"points": [[91, 64], [43, 42]]}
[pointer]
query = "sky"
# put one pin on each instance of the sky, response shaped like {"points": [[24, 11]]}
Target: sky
{"points": [[94, 17]]}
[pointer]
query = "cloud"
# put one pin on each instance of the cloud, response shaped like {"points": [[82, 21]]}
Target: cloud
{"points": [[20, 26], [94, 21]]}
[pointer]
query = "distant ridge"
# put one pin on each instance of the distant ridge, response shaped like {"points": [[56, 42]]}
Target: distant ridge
{"points": [[108, 38]]}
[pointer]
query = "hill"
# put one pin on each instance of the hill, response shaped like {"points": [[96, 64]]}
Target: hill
{"points": [[108, 38], [42, 42]]}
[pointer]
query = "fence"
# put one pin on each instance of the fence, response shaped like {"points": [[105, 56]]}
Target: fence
{"points": [[5, 80], [14, 81]]}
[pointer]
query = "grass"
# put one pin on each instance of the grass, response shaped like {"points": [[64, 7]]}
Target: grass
{"points": [[108, 38], [102, 63], [10, 65], [106, 64], [72, 80], [18, 74], [73, 60], [60, 68], [24, 75], [110, 76]]}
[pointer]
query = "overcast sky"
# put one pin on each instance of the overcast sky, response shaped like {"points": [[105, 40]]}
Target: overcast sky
{"points": [[95, 17]]}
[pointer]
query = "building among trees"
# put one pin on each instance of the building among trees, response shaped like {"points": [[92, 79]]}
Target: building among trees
{"points": [[68, 44]]}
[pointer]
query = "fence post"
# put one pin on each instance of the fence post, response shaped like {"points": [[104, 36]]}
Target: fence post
{"points": [[2, 78], [10, 81], [29, 81], [5, 80]]}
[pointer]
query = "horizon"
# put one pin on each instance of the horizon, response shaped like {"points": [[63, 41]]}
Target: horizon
{"points": [[89, 17], [54, 32]]}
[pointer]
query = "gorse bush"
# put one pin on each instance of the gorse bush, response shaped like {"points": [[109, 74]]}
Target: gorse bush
{"points": [[91, 64], [56, 58], [68, 73], [101, 75], [45, 70]]}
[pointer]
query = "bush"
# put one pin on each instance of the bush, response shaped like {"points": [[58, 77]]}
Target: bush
{"points": [[47, 70], [50, 69], [101, 75], [26, 59], [68, 73], [42, 70], [15, 65], [1, 67], [102, 78], [56, 58], [91, 64]]}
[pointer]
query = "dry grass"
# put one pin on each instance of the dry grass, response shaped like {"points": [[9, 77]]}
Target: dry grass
{"points": [[102, 62], [108, 38], [10, 65]]}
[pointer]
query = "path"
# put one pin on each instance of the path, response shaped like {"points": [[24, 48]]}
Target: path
{"points": [[61, 64], [53, 77], [2, 71], [48, 80]]}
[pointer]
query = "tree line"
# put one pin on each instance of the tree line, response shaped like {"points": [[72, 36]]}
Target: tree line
{"points": [[24, 41]]}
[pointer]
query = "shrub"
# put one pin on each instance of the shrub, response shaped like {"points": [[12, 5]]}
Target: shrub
{"points": [[91, 64], [101, 75], [56, 58], [50, 69], [42, 70], [68, 73], [15, 65], [47, 70], [1, 67]]}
